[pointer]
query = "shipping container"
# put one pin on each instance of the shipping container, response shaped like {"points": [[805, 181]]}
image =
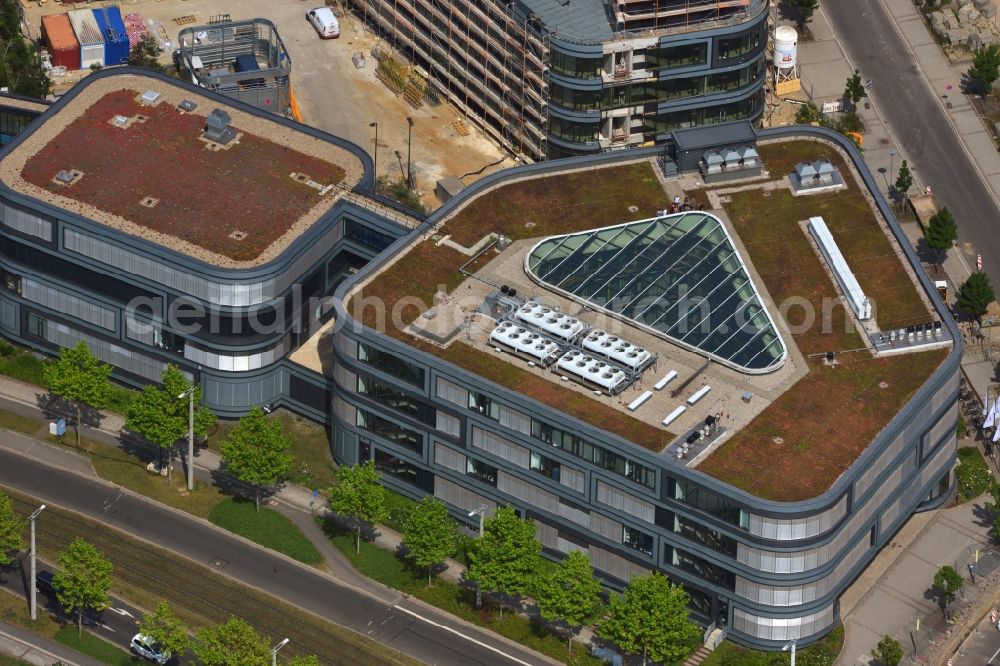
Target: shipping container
{"points": [[116, 44], [61, 41], [89, 36]]}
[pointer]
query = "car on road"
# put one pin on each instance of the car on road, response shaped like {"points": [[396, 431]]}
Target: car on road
{"points": [[146, 647], [325, 22], [44, 582]]}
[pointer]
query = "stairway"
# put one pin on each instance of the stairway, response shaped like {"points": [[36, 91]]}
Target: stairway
{"points": [[702, 653]]}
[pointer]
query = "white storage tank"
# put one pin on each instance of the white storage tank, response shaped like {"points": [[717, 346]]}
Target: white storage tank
{"points": [[785, 47], [90, 37]]}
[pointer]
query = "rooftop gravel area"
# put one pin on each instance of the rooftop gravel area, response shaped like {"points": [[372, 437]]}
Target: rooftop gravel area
{"points": [[157, 178], [808, 435]]}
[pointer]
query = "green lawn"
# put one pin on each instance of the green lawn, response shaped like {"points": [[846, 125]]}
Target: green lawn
{"points": [[313, 466], [974, 475], [383, 566], [824, 652], [266, 527], [22, 424], [93, 646]]}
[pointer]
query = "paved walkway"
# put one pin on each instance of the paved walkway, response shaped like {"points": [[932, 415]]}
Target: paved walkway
{"points": [[33, 649]]}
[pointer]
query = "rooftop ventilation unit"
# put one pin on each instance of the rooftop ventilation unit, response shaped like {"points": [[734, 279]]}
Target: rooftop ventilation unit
{"points": [[187, 105], [149, 97], [217, 127]]}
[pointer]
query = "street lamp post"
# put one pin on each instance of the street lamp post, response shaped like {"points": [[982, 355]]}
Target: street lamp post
{"points": [[190, 471], [409, 145], [375, 157], [274, 651], [790, 644], [892, 162], [481, 512], [34, 592]]}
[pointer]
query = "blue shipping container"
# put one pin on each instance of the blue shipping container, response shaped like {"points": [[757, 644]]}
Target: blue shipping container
{"points": [[116, 46]]}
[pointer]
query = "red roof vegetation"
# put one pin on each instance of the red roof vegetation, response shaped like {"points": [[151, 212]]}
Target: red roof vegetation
{"points": [[204, 196]]}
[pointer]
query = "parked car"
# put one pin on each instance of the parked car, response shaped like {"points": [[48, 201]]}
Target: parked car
{"points": [[44, 583], [145, 647], [325, 22]]}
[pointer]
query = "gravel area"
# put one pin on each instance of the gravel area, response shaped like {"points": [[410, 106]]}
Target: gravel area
{"points": [[12, 166]]}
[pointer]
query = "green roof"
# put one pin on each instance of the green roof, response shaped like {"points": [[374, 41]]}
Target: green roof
{"points": [[678, 276]]}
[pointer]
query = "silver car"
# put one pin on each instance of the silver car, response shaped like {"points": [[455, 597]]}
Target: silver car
{"points": [[144, 646]]}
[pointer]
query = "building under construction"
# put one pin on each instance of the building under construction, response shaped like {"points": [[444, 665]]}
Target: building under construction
{"points": [[553, 78]]}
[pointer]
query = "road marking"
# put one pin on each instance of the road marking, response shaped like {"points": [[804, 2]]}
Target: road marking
{"points": [[459, 633], [990, 660], [104, 626], [120, 611]]}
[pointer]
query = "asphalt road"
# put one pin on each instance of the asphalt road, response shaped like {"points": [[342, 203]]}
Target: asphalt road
{"points": [[117, 624], [408, 627], [916, 118], [981, 648]]}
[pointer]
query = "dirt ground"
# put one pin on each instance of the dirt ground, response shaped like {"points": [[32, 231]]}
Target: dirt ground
{"points": [[333, 95]]}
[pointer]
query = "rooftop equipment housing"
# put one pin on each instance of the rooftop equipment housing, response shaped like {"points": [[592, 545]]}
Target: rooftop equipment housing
{"points": [[838, 265]]}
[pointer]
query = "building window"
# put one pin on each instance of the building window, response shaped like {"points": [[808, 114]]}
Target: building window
{"points": [[391, 364], [638, 540], [706, 570], [11, 281], [677, 56], [706, 537], [396, 400], [37, 326], [734, 47], [363, 235], [575, 66], [710, 503], [168, 340], [364, 451], [597, 455], [484, 405], [393, 466], [390, 431], [545, 466], [479, 470]]}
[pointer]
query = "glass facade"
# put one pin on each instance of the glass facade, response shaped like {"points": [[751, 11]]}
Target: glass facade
{"points": [[390, 431], [740, 45], [364, 235], [712, 504], [683, 55], [703, 569], [577, 67], [705, 536], [678, 275], [600, 456], [391, 364], [397, 400], [481, 471]]}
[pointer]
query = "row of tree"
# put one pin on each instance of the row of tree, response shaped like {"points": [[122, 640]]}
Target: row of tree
{"points": [[255, 452], [83, 583], [650, 618]]}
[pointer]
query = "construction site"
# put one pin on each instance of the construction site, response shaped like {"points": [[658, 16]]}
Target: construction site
{"points": [[548, 79]]}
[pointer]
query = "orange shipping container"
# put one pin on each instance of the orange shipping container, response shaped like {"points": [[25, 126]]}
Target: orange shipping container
{"points": [[61, 41]]}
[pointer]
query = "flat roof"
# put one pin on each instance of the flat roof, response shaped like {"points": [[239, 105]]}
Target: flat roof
{"points": [[148, 170], [787, 434]]}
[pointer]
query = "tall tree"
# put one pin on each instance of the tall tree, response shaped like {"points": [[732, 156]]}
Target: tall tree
{"points": [[805, 9], [429, 534], [571, 594], [83, 580], [974, 295], [11, 530], [233, 643], [888, 652], [359, 496], [994, 508], [255, 451], [651, 619], [904, 180], [506, 555], [146, 53], [949, 582], [79, 378], [985, 68], [160, 415], [165, 628], [854, 90], [942, 232], [21, 70]]}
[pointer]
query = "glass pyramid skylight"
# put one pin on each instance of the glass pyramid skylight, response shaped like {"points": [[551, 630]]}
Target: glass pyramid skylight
{"points": [[678, 276]]}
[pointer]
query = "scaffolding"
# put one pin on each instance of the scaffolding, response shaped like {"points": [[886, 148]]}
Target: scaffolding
{"points": [[489, 62]]}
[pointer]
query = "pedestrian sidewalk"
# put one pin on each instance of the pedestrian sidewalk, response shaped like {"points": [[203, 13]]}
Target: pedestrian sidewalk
{"points": [[34, 649]]}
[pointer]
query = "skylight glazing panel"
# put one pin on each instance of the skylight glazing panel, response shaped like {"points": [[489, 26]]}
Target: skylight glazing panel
{"points": [[678, 275]]}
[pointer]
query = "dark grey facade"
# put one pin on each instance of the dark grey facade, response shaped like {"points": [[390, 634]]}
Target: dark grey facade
{"points": [[550, 79], [769, 571], [140, 305]]}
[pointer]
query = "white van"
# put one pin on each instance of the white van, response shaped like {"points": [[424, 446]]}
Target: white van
{"points": [[325, 22]]}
